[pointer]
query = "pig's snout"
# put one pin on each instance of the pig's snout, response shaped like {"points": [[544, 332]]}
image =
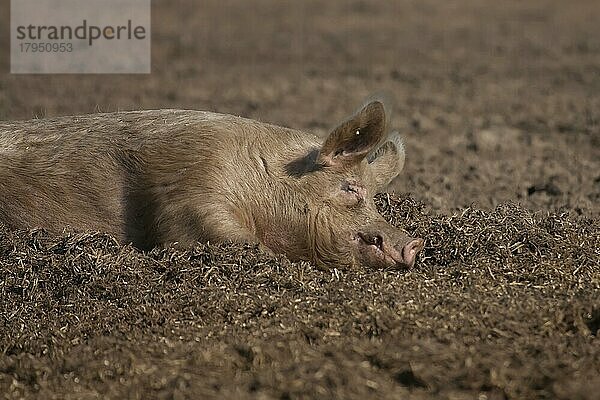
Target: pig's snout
{"points": [[410, 251], [378, 249]]}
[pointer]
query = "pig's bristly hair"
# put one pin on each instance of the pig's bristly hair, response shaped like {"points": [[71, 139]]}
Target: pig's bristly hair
{"points": [[325, 250]]}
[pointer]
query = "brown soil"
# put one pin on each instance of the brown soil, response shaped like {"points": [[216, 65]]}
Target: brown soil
{"points": [[499, 103]]}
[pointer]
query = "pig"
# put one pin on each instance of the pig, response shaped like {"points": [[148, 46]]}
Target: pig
{"points": [[165, 177]]}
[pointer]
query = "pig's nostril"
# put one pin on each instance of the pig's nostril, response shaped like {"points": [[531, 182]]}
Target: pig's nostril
{"points": [[373, 240], [377, 241], [410, 251]]}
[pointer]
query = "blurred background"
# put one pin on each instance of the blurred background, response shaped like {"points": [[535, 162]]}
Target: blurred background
{"points": [[497, 100]]}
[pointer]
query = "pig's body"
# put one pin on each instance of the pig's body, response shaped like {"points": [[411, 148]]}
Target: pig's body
{"points": [[159, 177]]}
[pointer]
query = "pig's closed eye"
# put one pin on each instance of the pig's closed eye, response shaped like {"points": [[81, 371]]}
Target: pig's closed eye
{"points": [[353, 193], [348, 187]]}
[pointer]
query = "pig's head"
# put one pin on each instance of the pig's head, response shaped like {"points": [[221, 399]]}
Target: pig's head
{"points": [[357, 160]]}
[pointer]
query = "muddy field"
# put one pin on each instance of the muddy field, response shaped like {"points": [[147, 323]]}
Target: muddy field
{"points": [[499, 103]]}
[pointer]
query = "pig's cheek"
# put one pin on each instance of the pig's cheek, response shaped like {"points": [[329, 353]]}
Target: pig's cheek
{"points": [[348, 199], [357, 255], [376, 256]]}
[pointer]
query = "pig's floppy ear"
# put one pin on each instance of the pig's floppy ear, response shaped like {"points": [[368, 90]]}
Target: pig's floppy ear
{"points": [[386, 161], [352, 140]]}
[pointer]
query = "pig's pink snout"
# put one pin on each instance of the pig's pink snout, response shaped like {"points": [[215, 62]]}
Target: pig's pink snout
{"points": [[410, 251], [375, 249]]}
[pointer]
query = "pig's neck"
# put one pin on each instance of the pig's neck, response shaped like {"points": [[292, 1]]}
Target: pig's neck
{"points": [[271, 201]]}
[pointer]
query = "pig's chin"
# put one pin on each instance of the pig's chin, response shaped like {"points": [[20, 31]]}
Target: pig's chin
{"points": [[376, 257]]}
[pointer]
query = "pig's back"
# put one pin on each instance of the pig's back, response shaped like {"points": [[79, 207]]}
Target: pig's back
{"points": [[107, 133], [127, 172], [97, 132]]}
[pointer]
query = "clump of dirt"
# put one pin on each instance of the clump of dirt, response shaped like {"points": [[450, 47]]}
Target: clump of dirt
{"points": [[502, 303]]}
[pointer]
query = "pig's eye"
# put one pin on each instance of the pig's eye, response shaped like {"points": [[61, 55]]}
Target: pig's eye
{"points": [[353, 193]]}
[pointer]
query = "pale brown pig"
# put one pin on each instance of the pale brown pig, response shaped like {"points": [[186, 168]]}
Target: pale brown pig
{"points": [[175, 176]]}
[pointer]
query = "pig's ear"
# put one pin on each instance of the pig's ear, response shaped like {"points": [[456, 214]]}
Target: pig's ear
{"points": [[386, 161], [350, 142]]}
